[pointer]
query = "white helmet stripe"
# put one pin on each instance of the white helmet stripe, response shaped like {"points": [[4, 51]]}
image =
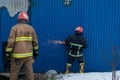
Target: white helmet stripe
{"points": [[25, 16]]}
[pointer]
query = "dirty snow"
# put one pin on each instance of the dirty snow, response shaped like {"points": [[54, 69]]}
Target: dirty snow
{"points": [[89, 76]]}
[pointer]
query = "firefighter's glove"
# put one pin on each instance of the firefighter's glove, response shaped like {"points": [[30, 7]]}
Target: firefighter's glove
{"points": [[35, 54]]}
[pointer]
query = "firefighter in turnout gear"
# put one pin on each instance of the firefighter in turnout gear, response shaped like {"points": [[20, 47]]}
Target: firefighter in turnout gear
{"points": [[75, 44], [22, 46]]}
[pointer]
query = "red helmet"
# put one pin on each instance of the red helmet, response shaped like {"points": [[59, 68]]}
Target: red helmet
{"points": [[23, 15], [79, 29]]}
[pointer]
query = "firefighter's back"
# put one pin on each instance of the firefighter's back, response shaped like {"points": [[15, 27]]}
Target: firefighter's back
{"points": [[23, 39]]}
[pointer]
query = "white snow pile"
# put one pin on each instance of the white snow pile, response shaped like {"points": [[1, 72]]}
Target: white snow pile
{"points": [[88, 76]]}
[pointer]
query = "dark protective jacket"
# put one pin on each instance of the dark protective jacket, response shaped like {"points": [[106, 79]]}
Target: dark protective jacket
{"points": [[76, 43], [22, 40]]}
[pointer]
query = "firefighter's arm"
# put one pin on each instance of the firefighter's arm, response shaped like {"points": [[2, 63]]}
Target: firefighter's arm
{"points": [[35, 45], [11, 41], [67, 40]]}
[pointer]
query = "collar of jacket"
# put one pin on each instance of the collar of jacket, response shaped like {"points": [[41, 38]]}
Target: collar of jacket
{"points": [[22, 21]]}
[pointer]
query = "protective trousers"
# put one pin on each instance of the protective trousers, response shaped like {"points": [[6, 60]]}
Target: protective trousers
{"points": [[16, 65], [71, 59]]}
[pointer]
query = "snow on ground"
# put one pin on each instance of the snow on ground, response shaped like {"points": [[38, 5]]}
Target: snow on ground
{"points": [[88, 76]]}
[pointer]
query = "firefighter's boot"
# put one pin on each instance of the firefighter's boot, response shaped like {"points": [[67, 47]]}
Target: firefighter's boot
{"points": [[81, 68], [67, 68]]}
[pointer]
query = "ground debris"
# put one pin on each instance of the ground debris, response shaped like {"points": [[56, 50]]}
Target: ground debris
{"points": [[40, 76], [37, 76]]}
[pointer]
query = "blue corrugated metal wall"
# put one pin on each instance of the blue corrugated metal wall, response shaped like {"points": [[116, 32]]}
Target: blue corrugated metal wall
{"points": [[6, 23], [53, 20], [102, 30], [0, 46]]}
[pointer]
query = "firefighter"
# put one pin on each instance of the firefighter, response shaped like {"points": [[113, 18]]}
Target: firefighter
{"points": [[75, 44], [22, 46]]}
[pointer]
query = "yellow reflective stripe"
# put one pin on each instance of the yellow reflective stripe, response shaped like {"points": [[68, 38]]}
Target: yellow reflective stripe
{"points": [[74, 44], [78, 52], [36, 48], [78, 55], [14, 55], [23, 39], [68, 64], [9, 49], [82, 64]]}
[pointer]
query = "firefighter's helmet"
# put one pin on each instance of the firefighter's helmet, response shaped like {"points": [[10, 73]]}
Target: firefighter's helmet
{"points": [[23, 15], [79, 29]]}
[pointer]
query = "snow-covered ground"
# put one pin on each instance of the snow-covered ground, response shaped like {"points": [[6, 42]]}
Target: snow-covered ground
{"points": [[88, 76]]}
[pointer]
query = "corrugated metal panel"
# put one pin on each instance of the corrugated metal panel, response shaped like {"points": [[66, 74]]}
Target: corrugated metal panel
{"points": [[101, 22], [6, 23], [1, 68], [14, 6], [100, 19], [53, 20]]}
